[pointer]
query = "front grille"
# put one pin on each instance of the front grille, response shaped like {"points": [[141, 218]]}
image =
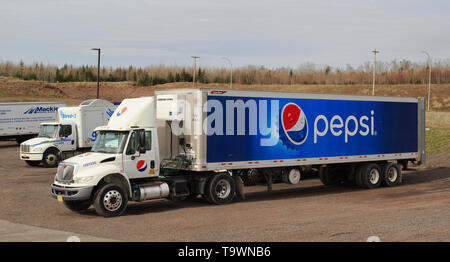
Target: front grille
{"points": [[64, 172], [64, 192], [25, 148]]}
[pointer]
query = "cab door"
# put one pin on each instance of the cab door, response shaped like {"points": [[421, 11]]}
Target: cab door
{"points": [[66, 137], [139, 157]]}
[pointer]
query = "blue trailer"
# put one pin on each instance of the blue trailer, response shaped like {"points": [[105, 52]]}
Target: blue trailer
{"points": [[269, 135]]}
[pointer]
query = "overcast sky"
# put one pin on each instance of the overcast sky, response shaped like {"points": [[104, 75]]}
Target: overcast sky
{"points": [[260, 32]]}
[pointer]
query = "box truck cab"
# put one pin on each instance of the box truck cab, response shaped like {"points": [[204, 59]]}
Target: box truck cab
{"points": [[72, 133], [189, 142]]}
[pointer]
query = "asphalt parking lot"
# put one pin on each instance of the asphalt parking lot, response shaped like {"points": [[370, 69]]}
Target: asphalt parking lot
{"points": [[417, 210]]}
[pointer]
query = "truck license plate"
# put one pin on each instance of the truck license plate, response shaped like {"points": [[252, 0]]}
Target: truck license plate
{"points": [[59, 198]]}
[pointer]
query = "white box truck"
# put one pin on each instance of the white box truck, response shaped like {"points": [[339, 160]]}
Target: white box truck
{"points": [[190, 142], [20, 120], [71, 134]]}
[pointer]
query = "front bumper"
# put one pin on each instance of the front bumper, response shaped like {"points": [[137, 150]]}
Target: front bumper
{"points": [[72, 193], [31, 156]]}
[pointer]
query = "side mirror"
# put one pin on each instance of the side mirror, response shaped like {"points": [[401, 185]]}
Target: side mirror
{"points": [[142, 142]]}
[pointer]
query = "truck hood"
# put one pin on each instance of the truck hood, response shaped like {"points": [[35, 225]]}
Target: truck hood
{"points": [[91, 159], [37, 141]]}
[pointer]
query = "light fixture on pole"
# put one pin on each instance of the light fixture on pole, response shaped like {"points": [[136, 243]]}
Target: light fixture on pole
{"points": [[98, 70], [195, 65], [429, 78], [231, 71], [375, 51]]}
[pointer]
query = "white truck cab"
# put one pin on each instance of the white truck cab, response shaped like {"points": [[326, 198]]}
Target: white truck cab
{"points": [[72, 133], [126, 149], [58, 135]]}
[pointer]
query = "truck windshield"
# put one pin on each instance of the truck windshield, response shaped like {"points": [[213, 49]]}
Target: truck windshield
{"points": [[111, 142], [48, 131]]}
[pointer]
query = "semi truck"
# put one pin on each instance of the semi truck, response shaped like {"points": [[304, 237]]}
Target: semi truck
{"points": [[20, 121], [199, 142], [71, 134]]}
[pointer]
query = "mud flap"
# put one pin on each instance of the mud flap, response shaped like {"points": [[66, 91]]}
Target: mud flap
{"points": [[239, 187]]}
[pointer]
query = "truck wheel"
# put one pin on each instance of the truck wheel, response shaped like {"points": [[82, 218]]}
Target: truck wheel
{"points": [[327, 176], [77, 205], [391, 175], [250, 177], [51, 158], [110, 200], [370, 176], [32, 163], [220, 189]]}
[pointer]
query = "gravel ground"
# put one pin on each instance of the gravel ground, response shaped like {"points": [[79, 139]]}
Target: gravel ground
{"points": [[417, 210]]}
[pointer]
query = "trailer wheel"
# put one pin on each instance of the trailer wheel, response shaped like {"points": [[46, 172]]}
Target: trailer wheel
{"points": [[78, 205], [391, 175], [291, 175], [250, 177], [220, 189], [32, 163], [358, 172], [51, 158], [328, 177], [370, 176], [110, 200]]}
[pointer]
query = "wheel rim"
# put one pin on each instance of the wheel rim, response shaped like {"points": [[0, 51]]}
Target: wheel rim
{"points": [[294, 176], [223, 188], [51, 159], [392, 174], [112, 200], [374, 176]]}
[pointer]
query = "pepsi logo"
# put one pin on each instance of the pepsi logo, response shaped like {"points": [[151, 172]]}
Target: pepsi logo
{"points": [[295, 124], [141, 165], [122, 111], [86, 154]]}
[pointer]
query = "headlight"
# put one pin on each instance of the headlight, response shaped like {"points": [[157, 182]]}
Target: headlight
{"points": [[37, 149], [83, 179]]}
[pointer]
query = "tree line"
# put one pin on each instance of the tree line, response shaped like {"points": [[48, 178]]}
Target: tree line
{"points": [[393, 72]]}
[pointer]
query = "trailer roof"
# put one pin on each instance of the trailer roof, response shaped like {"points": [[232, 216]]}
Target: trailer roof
{"points": [[258, 93], [30, 103]]}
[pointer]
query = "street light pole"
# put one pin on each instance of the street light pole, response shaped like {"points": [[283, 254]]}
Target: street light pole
{"points": [[429, 78], [374, 69], [98, 71], [195, 66], [231, 71]]}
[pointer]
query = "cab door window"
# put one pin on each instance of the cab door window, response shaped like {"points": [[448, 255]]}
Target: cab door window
{"points": [[132, 144], [65, 130], [148, 140]]}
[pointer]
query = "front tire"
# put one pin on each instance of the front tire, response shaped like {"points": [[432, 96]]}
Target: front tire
{"points": [[77, 205], [220, 189], [110, 200], [51, 158]]}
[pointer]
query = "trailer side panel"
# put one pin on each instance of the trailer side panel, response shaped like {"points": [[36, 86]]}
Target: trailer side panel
{"points": [[273, 128]]}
